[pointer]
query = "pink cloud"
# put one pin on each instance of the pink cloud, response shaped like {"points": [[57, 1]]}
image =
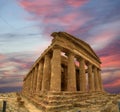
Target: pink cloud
{"points": [[103, 35], [49, 11], [74, 25], [64, 20], [110, 55], [111, 79], [116, 83], [102, 39], [54, 13], [110, 61], [43, 8], [76, 3], [2, 56]]}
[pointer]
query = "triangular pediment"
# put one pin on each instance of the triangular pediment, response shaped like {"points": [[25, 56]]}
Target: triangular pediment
{"points": [[77, 41]]}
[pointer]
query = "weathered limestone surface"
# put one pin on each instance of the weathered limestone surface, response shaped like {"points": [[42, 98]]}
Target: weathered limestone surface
{"points": [[62, 70], [82, 74], [71, 85], [40, 74], [46, 73], [90, 78], [56, 70], [100, 80], [96, 79]]}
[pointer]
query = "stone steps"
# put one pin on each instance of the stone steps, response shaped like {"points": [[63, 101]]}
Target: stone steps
{"points": [[81, 104], [56, 100], [50, 107]]}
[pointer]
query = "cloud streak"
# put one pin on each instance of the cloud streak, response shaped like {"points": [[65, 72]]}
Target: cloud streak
{"points": [[59, 14], [14, 66]]}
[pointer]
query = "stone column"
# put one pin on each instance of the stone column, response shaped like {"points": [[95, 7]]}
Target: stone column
{"points": [[31, 82], [96, 80], [40, 74], [66, 75], [34, 80], [36, 71], [46, 73], [71, 84], [90, 78], [23, 88], [56, 70], [26, 85], [100, 80], [82, 74]]}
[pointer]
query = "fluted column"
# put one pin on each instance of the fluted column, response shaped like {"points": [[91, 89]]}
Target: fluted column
{"points": [[90, 78], [39, 78], [26, 84], [71, 85], [23, 88], [31, 82], [56, 70], [100, 80], [46, 73], [34, 80], [82, 74], [36, 71], [66, 74], [33, 86], [96, 80]]}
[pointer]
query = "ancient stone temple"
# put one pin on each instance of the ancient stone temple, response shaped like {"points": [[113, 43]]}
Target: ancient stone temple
{"points": [[65, 74]]}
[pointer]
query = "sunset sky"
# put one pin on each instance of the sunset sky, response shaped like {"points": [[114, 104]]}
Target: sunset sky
{"points": [[26, 25]]}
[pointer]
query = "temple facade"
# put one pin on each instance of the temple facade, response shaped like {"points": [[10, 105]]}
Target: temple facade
{"points": [[68, 66]]}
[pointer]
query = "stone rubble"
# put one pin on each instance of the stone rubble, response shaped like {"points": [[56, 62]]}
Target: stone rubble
{"points": [[12, 104]]}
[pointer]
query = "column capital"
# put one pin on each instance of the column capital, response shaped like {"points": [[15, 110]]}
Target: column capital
{"points": [[89, 64], [46, 55], [94, 67], [80, 58], [69, 53], [41, 61], [56, 47], [99, 69]]}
